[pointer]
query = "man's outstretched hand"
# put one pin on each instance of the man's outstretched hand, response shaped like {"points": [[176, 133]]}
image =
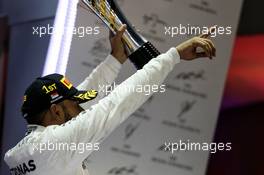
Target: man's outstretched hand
{"points": [[117, 45], [188, 49]]}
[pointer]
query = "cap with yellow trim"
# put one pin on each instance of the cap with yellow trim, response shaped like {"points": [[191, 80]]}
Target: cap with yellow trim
{"points": [[51, 89]]}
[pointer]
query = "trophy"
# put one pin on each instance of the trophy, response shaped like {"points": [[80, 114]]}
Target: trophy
{"points": [[139, 50]]}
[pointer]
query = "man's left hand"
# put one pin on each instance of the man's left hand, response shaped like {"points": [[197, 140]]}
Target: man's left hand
{"points": [[117, 45]]}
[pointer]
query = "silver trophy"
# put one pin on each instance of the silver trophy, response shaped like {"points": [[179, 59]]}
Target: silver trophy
{"points": [[139, 50]]}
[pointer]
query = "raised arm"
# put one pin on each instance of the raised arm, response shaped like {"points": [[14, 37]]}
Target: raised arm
{"points": [[106, 72], [97, 123]]}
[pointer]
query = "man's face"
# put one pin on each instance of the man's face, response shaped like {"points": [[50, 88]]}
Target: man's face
{"points": [[71, 109]]}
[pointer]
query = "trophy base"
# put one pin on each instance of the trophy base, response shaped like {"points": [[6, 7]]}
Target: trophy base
{"points": [[143, 55]]}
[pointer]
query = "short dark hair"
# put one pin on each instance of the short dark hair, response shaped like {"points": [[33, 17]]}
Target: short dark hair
{"points": [[37, 119]]}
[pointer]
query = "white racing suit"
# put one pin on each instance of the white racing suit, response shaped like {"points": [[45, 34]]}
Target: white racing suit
{"points": [[32, 156]]}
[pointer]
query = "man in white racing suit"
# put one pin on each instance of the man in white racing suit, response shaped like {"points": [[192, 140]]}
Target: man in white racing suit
{"points": [[52, 108]]}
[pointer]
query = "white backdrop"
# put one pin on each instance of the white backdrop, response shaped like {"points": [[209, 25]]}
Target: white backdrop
{"points": [[188, 109]]}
